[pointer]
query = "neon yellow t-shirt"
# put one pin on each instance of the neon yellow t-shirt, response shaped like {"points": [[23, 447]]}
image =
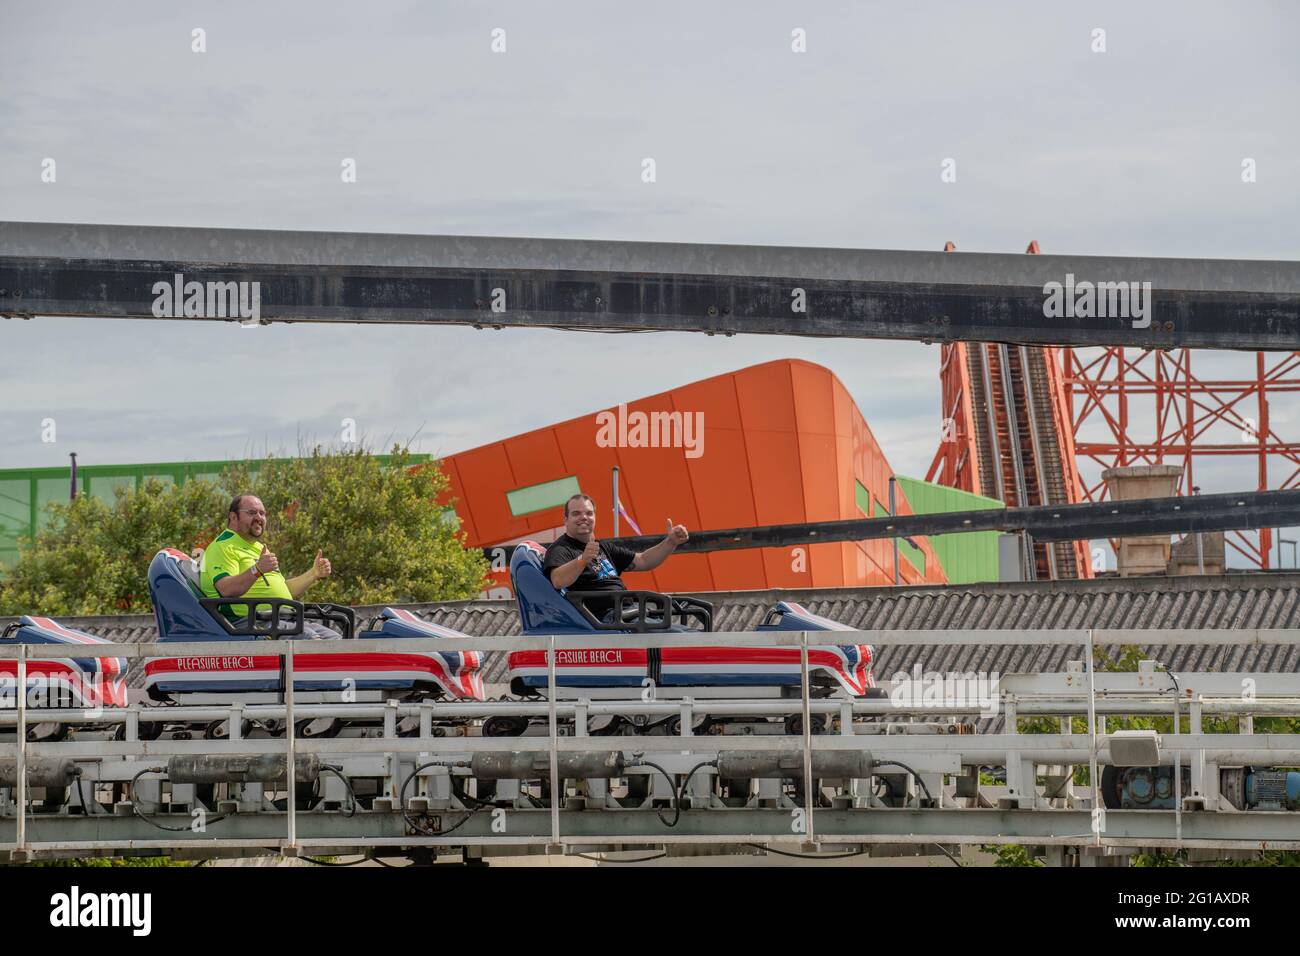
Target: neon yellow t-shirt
{"points": [[232, 554]]}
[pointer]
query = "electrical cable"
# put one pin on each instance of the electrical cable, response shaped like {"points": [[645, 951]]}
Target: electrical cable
{"points": [[352, 797], [312, 859], [81, 794], [955, 861], [677, 791], [420, 828], [135, 805], [640, 859], [805, 856], [915, 776]]}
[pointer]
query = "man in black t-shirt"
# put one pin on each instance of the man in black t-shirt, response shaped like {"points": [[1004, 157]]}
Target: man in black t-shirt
{"points": [[577, 561]]}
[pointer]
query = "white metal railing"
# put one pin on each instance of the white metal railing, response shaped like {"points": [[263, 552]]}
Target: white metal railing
{"points": [[1244, 746]]}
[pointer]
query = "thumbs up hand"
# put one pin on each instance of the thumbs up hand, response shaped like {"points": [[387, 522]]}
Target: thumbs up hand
{"points": [[322, 568], [677, 533], [267, 562]]}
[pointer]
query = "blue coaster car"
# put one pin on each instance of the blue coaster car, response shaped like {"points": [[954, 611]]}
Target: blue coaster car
{"points": [[64, 682], [184, 614], [544, 610]]}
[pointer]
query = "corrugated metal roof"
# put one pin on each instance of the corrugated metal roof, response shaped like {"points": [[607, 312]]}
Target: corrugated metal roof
{"points": [[1232, 601]]}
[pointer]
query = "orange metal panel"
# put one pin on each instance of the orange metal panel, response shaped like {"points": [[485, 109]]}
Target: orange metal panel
{"points": [[740, 571], [534, 457], [458, 493], [721, 482], [814, 398], [774, 472], [766, 396], [485, 478], [783, 442]]}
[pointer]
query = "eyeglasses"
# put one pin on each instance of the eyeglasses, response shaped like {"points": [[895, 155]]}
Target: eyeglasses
{"points": [[251, 511]]}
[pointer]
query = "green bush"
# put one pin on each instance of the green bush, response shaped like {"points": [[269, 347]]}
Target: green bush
{"points": [[381, 525], [1012, 854]]}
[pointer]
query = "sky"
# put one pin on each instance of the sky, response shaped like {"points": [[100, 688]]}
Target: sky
{"points": [[1136, 150]]}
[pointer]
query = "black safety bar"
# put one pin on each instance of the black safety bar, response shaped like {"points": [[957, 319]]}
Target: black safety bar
{"points": [[344, 617], [251, 624], [643, 611]]}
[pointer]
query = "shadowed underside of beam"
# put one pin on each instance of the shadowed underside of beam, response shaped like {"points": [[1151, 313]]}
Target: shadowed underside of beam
{"points": [[116, 272]]}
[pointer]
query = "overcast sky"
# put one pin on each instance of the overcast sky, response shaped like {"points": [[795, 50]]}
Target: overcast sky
{"points": [[1134, 151]]}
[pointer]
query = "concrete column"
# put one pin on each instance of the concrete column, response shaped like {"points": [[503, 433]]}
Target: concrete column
{"points": [[1148, 554]]}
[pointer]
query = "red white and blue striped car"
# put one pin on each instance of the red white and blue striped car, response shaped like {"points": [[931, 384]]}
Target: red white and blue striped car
{"points": [[67, 680]]}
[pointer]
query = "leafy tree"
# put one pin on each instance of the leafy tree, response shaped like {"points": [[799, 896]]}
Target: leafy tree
{"points": [[1011, 854], [381, 526], [387, 538], [91, 558]]}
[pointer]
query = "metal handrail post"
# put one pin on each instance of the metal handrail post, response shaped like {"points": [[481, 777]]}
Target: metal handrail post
{"points": [[1178, 772], [21, 794], [807, 741], [291, 848], [554, 743], [1092, 736]]}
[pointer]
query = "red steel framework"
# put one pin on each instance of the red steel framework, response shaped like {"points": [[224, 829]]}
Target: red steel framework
{"points": [[1112, 407], [1117, 391], [1007, 435]]}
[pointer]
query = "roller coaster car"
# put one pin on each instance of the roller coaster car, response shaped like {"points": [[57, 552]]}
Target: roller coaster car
{"points": [[184, 614], [64, 682], [544, 610]]}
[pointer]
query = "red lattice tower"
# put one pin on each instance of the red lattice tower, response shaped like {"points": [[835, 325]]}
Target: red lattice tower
{"points": [[1007, 435], [1139, 407]]}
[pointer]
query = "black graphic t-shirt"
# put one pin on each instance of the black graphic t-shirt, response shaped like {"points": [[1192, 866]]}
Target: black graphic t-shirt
{"points": [[600, 574]]}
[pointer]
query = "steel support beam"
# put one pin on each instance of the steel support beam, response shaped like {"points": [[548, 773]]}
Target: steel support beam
{"points": [[334, 832], [1090, 521], [111, 271]]}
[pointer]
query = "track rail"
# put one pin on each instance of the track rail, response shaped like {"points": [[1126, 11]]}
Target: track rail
{"points": [[401, 818], [114, 272]]}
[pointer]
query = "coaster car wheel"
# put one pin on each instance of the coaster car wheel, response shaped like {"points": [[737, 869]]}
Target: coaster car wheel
{"points": [[320, 727], [794, 724], [505, 726], [220, 729]]}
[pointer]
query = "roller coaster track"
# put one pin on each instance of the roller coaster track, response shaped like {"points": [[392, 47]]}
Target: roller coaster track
{"points": [[390, 792], [1008, 437]]}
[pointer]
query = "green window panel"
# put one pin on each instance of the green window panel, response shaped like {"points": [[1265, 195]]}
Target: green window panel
{"points": [[881, 510], [105, 487], [912, 555], [47, 490], [968, 557], [549, 494], [15, 507], [862, 497]]}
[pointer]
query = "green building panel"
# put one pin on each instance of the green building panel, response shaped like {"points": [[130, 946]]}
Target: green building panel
{"points": [[966, 558], [24, 492]]}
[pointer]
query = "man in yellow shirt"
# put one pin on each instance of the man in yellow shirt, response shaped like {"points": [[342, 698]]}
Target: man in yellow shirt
{"points": [[237, 564]]}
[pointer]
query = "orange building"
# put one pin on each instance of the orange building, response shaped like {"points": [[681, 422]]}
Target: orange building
{"points": [[777, 443]]}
